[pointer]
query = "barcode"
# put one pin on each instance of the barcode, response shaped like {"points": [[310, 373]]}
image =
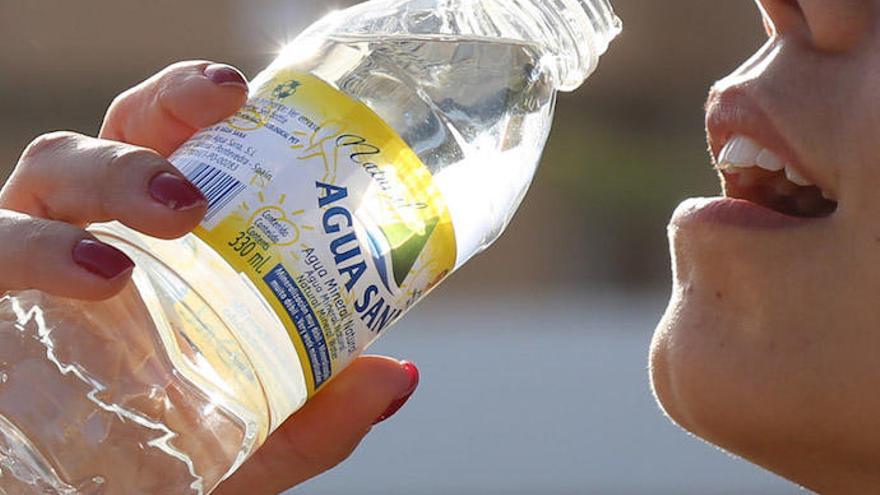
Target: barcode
{"points": [[219, 187]]}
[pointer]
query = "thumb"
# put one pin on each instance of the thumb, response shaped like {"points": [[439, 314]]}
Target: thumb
{"points": [[328, 428]]}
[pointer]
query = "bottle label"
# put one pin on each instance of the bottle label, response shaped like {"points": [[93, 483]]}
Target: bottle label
{"points": [[328, 213]]}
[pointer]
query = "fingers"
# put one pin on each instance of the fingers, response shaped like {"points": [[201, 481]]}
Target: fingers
{"points": [[78, 179], [58, 258], [167, 109], [328, 428]]}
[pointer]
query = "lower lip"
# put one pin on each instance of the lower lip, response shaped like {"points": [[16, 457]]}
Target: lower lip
{"points": [[733, 212]]}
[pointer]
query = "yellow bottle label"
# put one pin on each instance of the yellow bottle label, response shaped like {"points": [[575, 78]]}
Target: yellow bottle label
{"points": [[328, 213]]}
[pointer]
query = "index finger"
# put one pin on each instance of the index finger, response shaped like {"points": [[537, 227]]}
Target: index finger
{"points": [[164, 111]]}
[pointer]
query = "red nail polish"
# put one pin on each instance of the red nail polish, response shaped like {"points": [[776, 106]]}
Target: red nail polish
{"points": [[101, 259], [413, 372], [176, 192], [226, 75]]}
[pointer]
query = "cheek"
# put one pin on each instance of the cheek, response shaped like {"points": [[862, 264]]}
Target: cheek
{"points": [[856, 148]]}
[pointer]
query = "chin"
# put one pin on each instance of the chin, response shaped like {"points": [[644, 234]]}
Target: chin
{"points": [[757, 358], [715, 351], [690, 362], [759, 403], [716, 375]]}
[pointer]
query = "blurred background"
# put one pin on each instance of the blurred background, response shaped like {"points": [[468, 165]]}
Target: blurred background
{"points": [[582, 273]]}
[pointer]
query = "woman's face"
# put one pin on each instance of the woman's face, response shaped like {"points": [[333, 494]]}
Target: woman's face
{"points": [[770, 346]]}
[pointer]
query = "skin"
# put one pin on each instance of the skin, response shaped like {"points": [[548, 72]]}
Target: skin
{"points": [[65, 181], [770, 347]]}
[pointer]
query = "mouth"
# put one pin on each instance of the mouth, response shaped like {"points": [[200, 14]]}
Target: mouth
{"points": [[753, 173], [758, 166]]}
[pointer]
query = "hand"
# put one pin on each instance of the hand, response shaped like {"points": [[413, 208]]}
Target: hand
{"points": [[65, 181]]}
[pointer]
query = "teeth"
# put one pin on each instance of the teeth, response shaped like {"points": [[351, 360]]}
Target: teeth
{"points": [[739, 152], [829, 196], [742, 152], [769, 160], [795, 177]]}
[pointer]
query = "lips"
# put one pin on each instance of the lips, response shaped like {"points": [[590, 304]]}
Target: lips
{"points": [[732, 212]]}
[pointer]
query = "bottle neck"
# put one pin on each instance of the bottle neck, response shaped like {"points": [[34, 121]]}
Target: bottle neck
{"points": [[574, 33], [604, 23]]}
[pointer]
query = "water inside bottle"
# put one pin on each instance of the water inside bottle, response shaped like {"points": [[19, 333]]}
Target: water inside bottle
{"points": [[476, 110]]}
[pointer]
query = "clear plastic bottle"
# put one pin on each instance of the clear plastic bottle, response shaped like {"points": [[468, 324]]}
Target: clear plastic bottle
{"points": [[384, 148]]}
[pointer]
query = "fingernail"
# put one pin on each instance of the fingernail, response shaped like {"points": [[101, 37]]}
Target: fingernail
{"points": [[413, 373], [101, 259], [176, 192], [226, 75]]}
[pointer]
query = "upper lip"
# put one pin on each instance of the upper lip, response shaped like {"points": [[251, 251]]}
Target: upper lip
{"points": [[733, 111]]}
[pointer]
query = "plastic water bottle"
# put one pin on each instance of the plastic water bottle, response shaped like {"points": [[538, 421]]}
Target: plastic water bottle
{"points": [[385, 147]]}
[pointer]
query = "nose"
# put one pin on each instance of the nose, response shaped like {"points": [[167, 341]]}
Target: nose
{"points": [[829, 25]]}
